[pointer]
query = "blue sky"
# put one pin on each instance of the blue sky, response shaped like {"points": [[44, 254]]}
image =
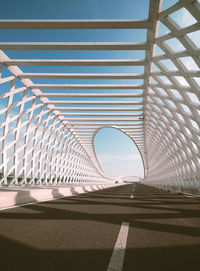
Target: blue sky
{"points": [[76, 9], [116, 151]]}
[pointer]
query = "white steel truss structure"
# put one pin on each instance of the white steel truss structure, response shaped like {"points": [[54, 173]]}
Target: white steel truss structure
{"points": [[47, 130]]}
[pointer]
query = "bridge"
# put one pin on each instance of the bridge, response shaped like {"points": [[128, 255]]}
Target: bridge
{"points": [[58, 207]]}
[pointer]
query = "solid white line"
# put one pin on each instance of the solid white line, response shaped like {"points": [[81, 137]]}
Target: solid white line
{"points": [[117, 258]]}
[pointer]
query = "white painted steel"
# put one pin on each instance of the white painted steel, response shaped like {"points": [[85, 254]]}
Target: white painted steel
{"points": [[86, 86], [74, 62], [47, 135], [74, 24], [82, 76], [73, 46]]}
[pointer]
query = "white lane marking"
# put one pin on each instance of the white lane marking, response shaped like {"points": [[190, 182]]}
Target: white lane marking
{"points": [[117, 258], [132, 196]]}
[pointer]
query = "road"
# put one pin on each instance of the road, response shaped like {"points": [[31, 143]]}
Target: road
{"points": [[80, 233]]}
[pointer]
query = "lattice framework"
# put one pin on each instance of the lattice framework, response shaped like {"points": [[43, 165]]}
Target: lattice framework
{"points": [[161, 116]]}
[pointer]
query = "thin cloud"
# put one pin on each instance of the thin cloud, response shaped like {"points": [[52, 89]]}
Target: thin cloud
{"points": [[129, 157], [95, 8]]}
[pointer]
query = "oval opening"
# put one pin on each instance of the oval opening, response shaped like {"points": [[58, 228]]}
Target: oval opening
{"points": [[117, 153]]}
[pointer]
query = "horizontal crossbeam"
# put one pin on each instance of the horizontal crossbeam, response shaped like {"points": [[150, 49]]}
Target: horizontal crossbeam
{"points": [[99, 108], [101, 114], [131, 124], [75, 62], [86, 86], [73, 46], [82, 76], [95, 102], [72, 119], [91, 95], [74, 24]]}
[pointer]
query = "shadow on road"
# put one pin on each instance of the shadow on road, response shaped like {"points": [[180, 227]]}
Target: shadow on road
{"points": [[15, 256], [147, 211]]}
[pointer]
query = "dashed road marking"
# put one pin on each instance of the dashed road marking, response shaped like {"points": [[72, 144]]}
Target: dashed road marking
{"points": [[117, 258]]}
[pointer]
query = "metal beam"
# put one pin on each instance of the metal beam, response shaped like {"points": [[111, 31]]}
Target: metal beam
{"points": [[95, 102], [99, 108], [73, 119], [101, 114], [91, 95], [82, 76], [75, 62], [77, 124], [74, 24], [86, 86], [73, 46]]}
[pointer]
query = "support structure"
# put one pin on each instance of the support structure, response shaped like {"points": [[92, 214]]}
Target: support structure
{"points": [[47, 129]]}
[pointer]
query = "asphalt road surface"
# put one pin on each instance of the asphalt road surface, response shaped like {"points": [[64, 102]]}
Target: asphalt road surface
{"points": [[123, 228]]}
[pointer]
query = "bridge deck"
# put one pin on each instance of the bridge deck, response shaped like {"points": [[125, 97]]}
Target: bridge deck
{"points": [[80, 232]]}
